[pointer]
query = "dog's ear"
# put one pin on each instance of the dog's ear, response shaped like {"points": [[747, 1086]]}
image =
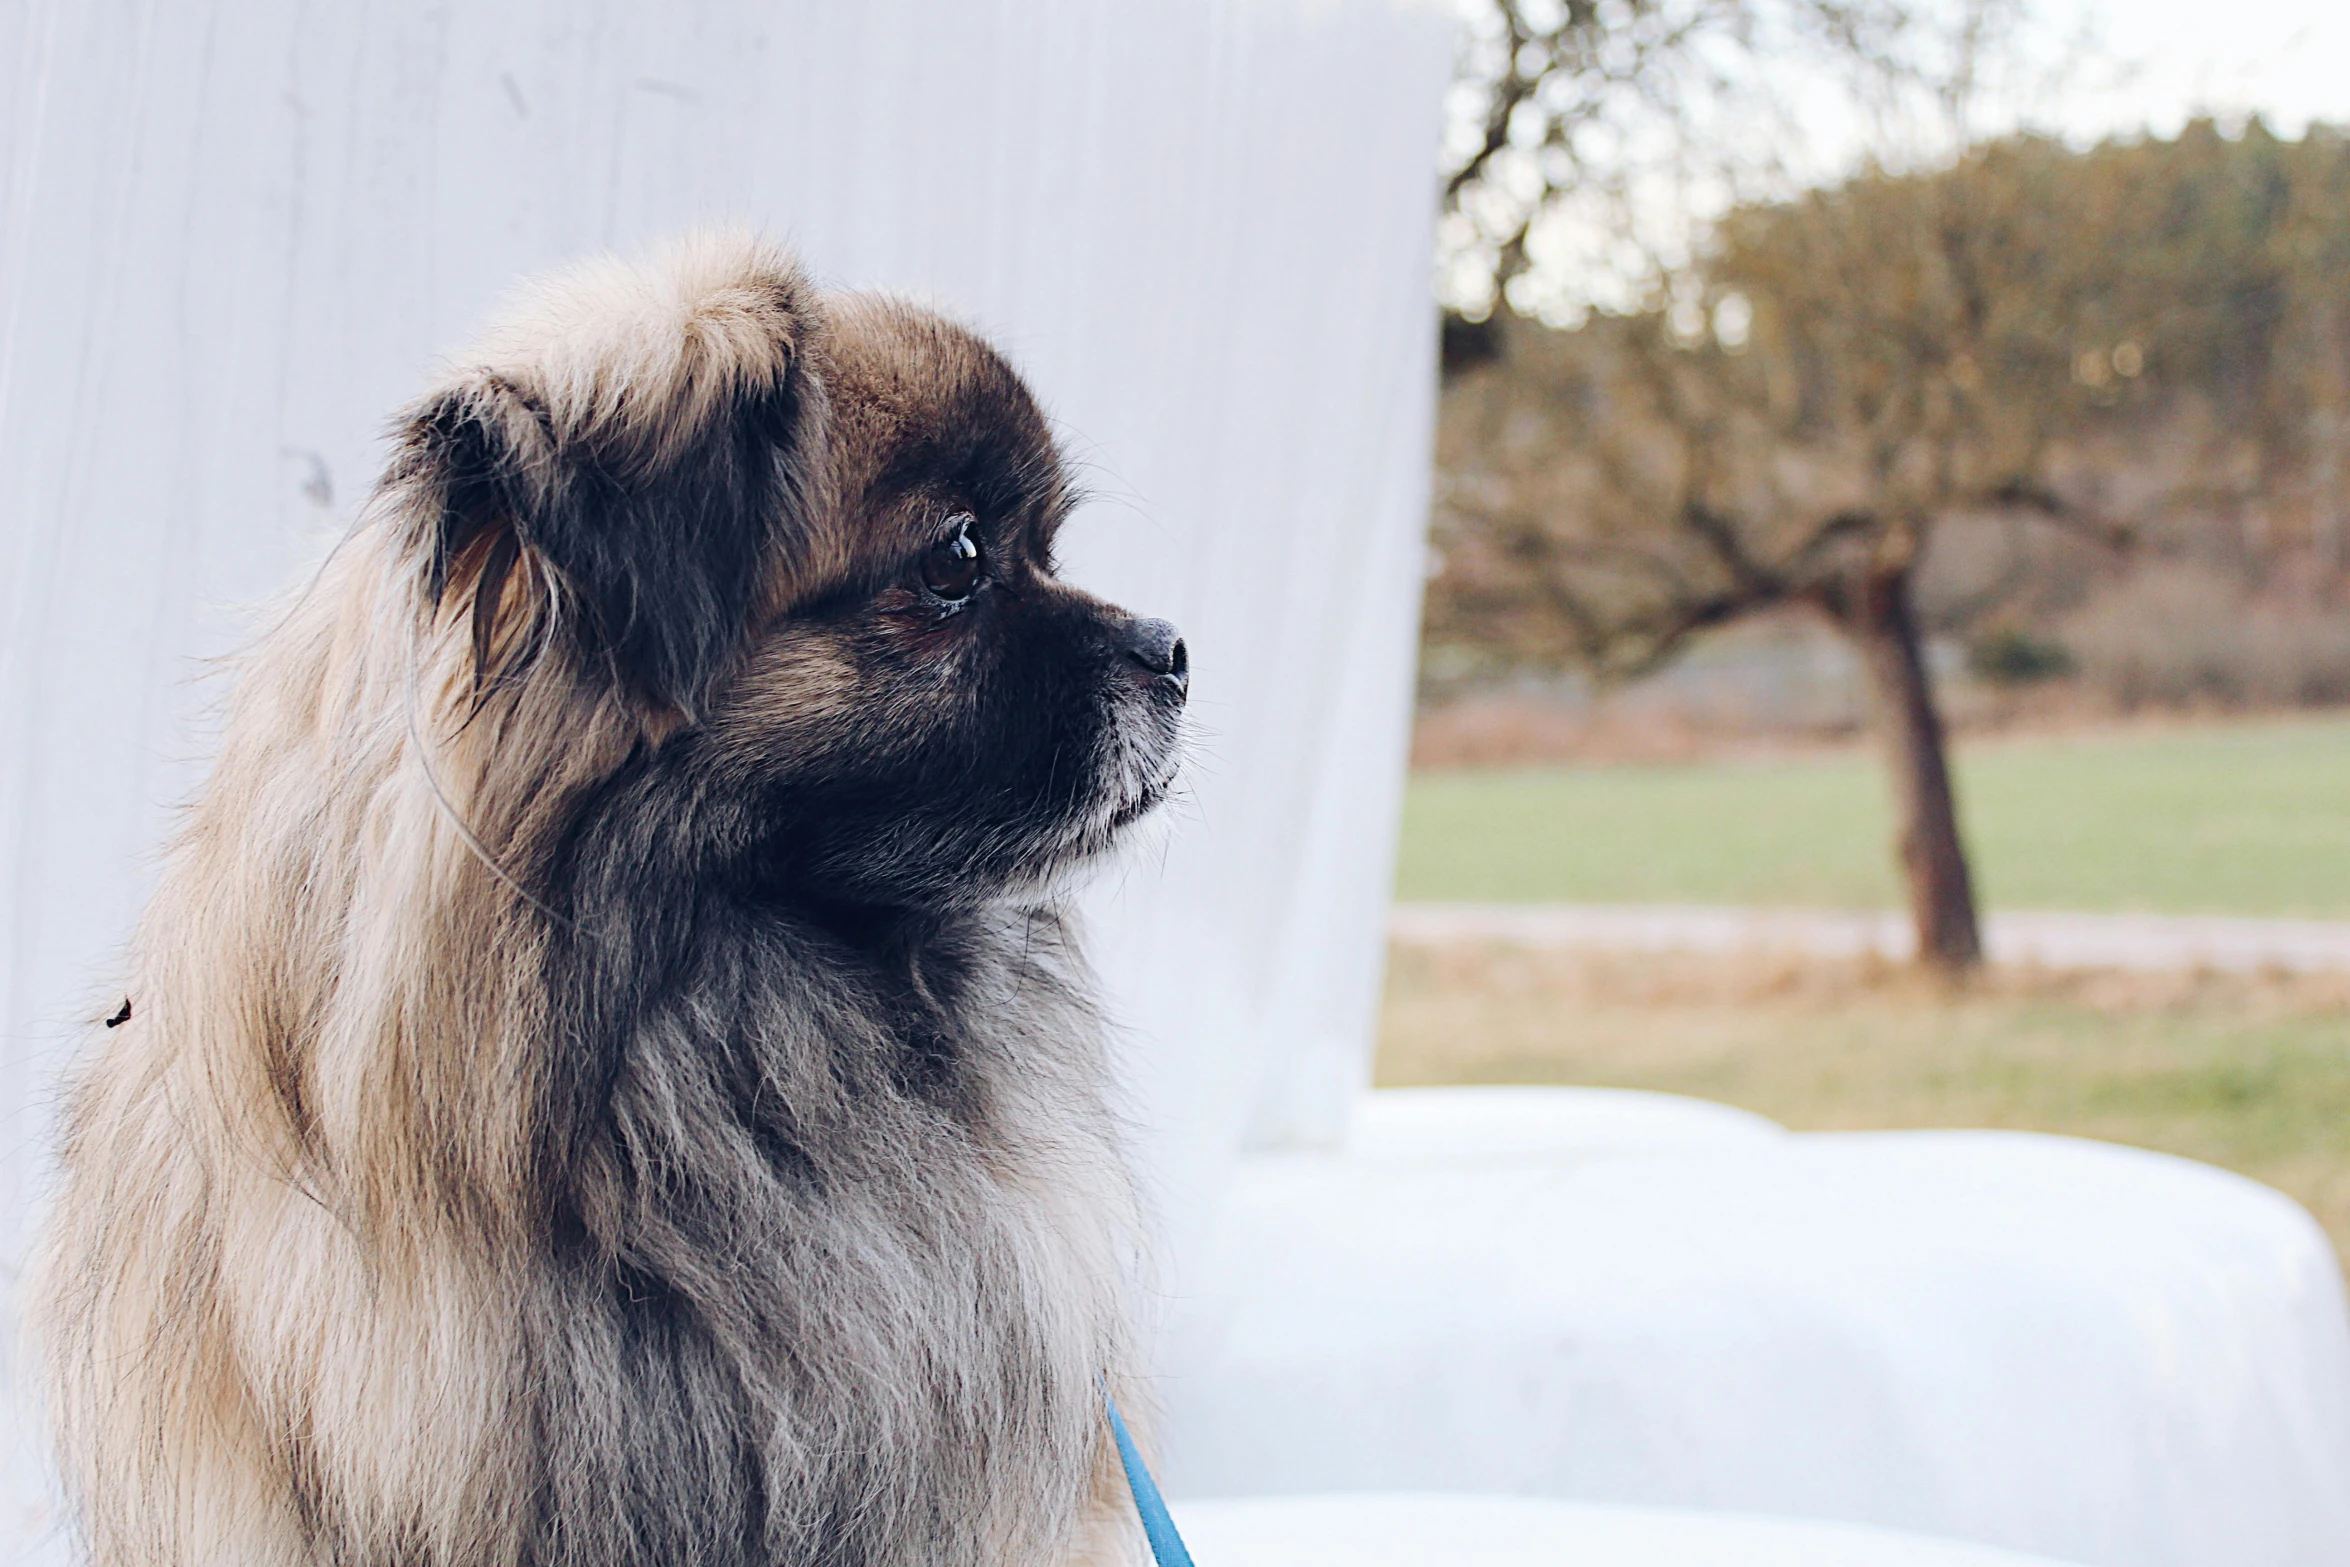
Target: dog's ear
{"points": [[646, 443]]}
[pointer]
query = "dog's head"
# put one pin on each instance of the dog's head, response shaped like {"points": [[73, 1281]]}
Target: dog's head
{"points": [[798, 548]]}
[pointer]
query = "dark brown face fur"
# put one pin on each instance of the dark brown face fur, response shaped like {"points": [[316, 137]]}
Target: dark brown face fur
{"points": [[824, 726], [877, 743], [906, 746]]}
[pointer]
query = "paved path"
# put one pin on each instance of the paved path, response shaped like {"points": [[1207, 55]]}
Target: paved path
{"points": [[2123, 941]]}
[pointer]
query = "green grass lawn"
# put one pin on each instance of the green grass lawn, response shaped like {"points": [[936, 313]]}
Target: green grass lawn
{"points": [[2215, 819]]}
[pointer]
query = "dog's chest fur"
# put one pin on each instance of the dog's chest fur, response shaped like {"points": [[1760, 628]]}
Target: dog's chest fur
{"points": [[838, 1258]]}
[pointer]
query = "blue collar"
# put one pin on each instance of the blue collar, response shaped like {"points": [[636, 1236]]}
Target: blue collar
{"points": [[1157, 1527]]}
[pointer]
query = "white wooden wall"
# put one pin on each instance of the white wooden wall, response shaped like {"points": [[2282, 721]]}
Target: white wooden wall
{"points": [[235, 233]]}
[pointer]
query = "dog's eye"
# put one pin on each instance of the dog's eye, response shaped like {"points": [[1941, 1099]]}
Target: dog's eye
{"points": [[953, 566]]}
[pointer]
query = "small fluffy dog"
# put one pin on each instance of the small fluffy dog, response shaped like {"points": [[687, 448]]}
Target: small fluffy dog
{"points": [[603, 1081]]}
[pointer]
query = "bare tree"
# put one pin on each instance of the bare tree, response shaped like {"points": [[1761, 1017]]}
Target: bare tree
{"points": [[1797, 373], [1860, 366]]}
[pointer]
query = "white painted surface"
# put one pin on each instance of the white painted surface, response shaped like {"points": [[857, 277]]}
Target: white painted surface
{"points": [[235, 233], [1498, 1531], [2098, 1354], [2045, 940], [1454, 1127]]}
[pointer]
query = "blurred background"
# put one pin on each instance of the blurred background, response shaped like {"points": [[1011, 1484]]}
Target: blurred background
{"points": [[1894, 463]]}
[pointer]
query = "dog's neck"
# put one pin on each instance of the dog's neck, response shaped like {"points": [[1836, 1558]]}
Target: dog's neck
{"points": [[883, 932]]}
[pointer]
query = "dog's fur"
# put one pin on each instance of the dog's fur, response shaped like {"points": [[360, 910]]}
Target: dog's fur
{"points": [[604, 1080]]}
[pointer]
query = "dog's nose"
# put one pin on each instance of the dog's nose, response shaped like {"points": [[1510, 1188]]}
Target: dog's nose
{"points": [[1158, 647]]}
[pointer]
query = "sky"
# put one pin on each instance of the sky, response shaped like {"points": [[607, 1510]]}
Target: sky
{"points": [[2287, 59], [2128, 66]]}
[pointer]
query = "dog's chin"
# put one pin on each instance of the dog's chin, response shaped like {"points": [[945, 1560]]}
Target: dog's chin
{"points": [[1096, 834], [1135, 810], [1129, 804]]}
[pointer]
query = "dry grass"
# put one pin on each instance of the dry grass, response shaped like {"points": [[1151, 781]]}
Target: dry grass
{"points": [[2248, 1072], [1509, 730]]}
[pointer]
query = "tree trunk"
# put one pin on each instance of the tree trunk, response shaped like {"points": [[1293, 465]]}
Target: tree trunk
{"points": [[1882, 619]]}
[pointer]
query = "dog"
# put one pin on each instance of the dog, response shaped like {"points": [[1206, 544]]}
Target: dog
{"points": [[604, 1077]]}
